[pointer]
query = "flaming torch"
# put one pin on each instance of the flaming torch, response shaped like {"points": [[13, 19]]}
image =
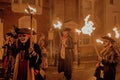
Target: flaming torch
{"points": [[31, 11], [117, 35], [99, 41], [58, 26], [109, 34], [78, 31], [88, 29]]}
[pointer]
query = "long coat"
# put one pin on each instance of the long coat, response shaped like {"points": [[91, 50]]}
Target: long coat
{"points": [[109, 62], [30, 61], [65, 65]]}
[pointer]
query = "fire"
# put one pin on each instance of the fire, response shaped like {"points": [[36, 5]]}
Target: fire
{"points": [[117, 35], [78, 31], [88, 27], [30, 10], [109, 34], [99, 41], [58, 25], [30, 28]]}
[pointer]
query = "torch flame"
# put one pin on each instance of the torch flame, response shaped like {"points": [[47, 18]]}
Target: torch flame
{"points": [[99, 41], [30, 10], [109, 34], [88, 27], [30, 28], [78, 31], [58, 25], [117, 35]]}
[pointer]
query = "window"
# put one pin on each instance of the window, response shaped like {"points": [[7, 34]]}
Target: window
{"points": [[86, 41]]}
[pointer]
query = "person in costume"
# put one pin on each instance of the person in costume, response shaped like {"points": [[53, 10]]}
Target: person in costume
{"points": [[66, 54], [108, 59], [9, 54], [28, 58], [43, 46]]}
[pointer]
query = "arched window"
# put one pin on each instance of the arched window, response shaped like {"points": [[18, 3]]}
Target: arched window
{"points": [[20, 5]]}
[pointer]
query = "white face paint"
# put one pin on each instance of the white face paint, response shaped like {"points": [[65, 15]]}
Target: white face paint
{"points": [[23, 37]]}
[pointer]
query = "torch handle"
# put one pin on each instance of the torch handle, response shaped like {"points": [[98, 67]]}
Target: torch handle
{"points": [[96, 50], [59, 32], [31, 32]]}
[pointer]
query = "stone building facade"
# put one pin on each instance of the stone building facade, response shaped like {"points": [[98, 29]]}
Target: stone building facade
{"points": [[104, 13]]}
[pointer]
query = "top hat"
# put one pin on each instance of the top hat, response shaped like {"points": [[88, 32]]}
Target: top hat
{"points": [[25, 31]]}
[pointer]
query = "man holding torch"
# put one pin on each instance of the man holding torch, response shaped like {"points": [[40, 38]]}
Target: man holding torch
{"points": [[28, 59], [66, 54], [108, 59]]}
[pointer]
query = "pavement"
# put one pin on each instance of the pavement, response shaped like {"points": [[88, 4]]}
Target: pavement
{"points": [[84, 71]]}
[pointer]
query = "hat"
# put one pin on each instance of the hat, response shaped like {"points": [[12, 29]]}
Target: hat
{"points": [[9, 34], [108, 38], [25, 31]]}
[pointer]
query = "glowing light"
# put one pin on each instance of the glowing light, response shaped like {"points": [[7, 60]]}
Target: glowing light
{"points": [[78, 31], [99, 41], [58, 25], [30, 28], [109, 34], [117, 35], [88, 27], [30, 10]]}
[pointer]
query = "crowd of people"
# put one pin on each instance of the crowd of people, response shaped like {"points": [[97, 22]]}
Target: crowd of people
{"points": [[22, 57], [25, 58]]}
